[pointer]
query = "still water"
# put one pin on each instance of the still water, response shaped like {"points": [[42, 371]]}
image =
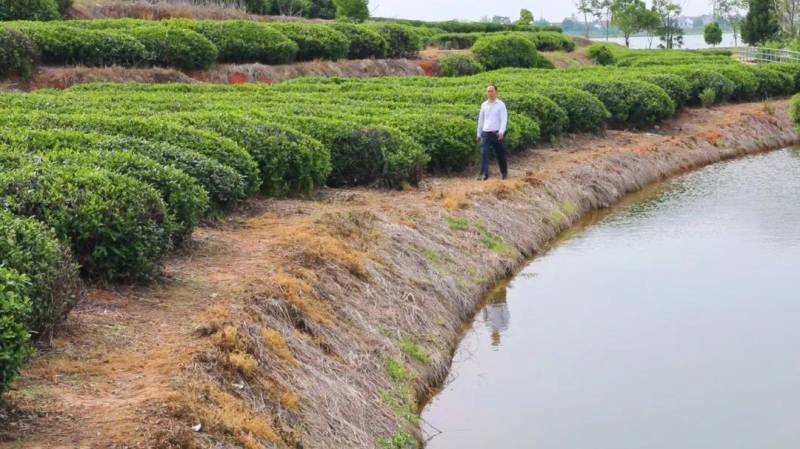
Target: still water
{"points": [[669, 321], [690, 41]]}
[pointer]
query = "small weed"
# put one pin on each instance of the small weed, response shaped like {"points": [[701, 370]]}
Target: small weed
{"points": [[568, 208], [707, 97], [493, 241], [432, 256], [399, 441], [397, 372], [412, 349], [457, 223]]}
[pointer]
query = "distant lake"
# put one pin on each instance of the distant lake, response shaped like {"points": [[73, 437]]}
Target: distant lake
{"points": [[690, 41]]}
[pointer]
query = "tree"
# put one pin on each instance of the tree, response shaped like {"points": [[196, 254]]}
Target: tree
{"points": [[525, 17], [712, 34], [291, 7], [670, 33], [601, 10], [585, 8], [788, 15], [628, 16], [355, 10], [731, 11], [760, 24], [651, 23]]}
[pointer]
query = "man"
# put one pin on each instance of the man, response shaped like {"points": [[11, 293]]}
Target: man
{"points": [[492, 122]]}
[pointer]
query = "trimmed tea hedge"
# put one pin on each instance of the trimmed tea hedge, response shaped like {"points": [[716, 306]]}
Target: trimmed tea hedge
{"points": [[364, 42], [30, 248], [118, 227], [495, 52], [244, 41], [62, 45], [315, 41], [459, 65], [15, 308], [29, 10], [18, 54], [176, 47], [401, 40]]}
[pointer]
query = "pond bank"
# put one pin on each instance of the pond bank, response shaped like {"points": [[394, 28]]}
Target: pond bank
{"points": [[322, 323]]}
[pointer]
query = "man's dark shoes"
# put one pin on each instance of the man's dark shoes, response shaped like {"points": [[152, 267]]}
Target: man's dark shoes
{"points": [[505, 175]]}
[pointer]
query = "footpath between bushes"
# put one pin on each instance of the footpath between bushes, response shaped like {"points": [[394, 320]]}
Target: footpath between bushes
{"points": [[326, 323]]}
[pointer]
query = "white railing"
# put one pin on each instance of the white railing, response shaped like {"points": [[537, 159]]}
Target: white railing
{"points": [[761, 55]]}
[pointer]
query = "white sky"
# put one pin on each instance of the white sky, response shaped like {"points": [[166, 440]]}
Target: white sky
{"points": [[552, 10]]}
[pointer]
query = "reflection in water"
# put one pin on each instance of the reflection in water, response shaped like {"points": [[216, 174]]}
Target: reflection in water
{"points": [[670, 322], [495, 313]]}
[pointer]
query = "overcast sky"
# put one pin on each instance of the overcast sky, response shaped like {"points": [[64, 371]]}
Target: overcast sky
{"points": [[552, 10]]}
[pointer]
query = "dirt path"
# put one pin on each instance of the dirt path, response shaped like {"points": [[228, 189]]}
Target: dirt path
{"points": [[126, 356]]}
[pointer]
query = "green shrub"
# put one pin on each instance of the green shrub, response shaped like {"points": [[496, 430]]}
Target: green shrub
{"points": [[600, 54], [14, 335], [586, 112], [791, 69], [262, 7], [553, 119], [459, 65], [522, 132], [631, 102], [496, 52], [290, 162], [364, 42], [64, 45], [771, 83], [454, 41], [63, 6], [31, 248], [176, 47], [315, 41], [745, 83], [401, 40], [185, 199], [155, 129], [449, 141], [794, 109], [28, 10], [676, 87], [241, 41], [18, 55], [551, 41], [362, 154], [118, 227], [224, 185], [700, 78], [708, 97]]}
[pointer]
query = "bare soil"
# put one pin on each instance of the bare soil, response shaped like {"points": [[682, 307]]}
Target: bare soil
{"points": [[278, 326]]}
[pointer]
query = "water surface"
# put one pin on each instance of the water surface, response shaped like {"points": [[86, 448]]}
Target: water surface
{"points": [[672, 321]]}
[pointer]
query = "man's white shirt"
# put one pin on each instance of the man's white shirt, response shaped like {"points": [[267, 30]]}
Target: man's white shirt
{"points": [[493, 117]]}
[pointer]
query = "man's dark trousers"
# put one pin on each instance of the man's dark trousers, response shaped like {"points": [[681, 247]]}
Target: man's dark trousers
{"points": [[489, 140]]}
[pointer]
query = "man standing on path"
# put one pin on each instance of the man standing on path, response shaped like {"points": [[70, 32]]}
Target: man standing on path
{"points": [[492, 122]]}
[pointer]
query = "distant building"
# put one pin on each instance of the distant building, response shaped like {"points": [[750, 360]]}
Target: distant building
{"points": [[502, 20]]}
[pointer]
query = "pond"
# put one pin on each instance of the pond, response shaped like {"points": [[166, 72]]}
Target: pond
{"points": [[690, 41], [669, 321]]}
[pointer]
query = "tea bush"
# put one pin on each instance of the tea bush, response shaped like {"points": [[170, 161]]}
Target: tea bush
{"points": [[118, 227], [176, 47], [18, 54], [315, 41], [364, 41], [14, 334], [495, 52], [240, 41], [459, 65], [30, 248]]}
